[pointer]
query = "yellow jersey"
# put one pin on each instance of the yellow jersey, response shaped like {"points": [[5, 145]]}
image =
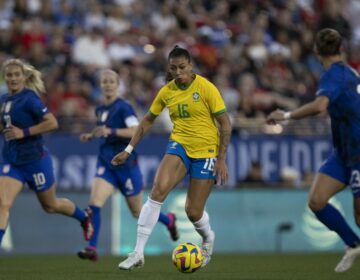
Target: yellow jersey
{"points": [[192, 112]]}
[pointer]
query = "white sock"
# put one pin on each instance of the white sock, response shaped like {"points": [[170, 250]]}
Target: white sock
{"points": [[148, 218], [203, 227]]}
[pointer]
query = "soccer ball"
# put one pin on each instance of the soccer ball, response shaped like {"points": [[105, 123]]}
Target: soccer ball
{"points": [[187, 257]]}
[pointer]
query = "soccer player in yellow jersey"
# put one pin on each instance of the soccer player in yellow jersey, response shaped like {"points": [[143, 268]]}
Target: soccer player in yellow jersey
{"points": [[197, 145]]}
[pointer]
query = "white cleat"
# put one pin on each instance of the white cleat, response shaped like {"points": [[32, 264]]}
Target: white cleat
{"points": [[133, 260], [348, 259], [207, 249]]}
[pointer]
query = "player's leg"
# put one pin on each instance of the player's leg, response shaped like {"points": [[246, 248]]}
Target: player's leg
{"points": [[131, 186], [330, 180], [170, 172], [169, 220], [101, 190], [9, 189], [352, 253], [198, 193], [53, 204], [132, 189], [40, 178], [323, 188]]}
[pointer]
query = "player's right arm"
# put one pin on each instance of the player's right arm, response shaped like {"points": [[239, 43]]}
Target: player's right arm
{"points": [[310, 109], [86, 137], [48, 124], [143, 128], [146, 123]]}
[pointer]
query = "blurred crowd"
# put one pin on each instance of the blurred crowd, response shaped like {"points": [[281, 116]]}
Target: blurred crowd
{"points": [[258, 53]]}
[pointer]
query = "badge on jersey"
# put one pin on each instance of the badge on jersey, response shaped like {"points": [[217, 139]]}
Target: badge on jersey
{"points": [[196, 96], [8, 106], [104, 115]]}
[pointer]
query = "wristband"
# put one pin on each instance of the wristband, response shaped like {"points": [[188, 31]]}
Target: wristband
{"points": [[129, 149], [287, 115], [26, 132], [113, 131]]}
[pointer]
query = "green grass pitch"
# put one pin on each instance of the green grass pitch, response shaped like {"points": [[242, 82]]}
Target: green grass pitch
{"points": [[240, 267]]}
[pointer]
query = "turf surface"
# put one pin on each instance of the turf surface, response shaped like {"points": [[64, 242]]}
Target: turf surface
{"points": [[241, 267]]}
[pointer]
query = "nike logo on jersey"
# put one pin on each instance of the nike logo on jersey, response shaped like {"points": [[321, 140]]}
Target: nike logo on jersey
{"points": [[204, 172]]}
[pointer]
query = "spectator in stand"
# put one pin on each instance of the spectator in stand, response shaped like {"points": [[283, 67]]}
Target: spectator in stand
{"points": [[90, 49]]}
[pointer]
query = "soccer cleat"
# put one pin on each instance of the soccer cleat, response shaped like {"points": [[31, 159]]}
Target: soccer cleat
{"points": [[348, 259], [133, 260], [87, 225], [207, 249], [172, 227], [89, 253]]}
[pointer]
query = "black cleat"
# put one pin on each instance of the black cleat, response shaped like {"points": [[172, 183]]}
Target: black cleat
{"points": [[88, 253]]}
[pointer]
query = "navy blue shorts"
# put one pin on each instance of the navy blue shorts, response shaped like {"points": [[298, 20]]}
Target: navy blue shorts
{"points": [[350, 176], [127, 179], [198, 168], [39, 175]]}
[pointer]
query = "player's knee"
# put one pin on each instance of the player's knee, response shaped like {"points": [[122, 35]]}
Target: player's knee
{"points": [[49, 208], [158, 192], [193, 213], [4, 206], [316, 203], [135, 213]]}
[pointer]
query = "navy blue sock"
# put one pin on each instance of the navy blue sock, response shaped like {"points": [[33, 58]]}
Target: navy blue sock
{"points": [[164, 219], [333, 219], [96, 218], [2, 232], [79, 214]]}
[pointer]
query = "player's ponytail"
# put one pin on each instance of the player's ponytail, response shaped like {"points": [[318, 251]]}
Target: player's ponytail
{"points": [[33, 78], [178, 52]]}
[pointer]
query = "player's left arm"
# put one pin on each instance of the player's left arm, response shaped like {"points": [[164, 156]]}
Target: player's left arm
{"points": [[131, 122], [310, 109], [47, 124], [220, 168], [103, 131]]}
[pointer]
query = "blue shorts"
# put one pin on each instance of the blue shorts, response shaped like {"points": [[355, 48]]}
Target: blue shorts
{"points": [[198, 168], [39, 175], [350, 176], [127, 179]]}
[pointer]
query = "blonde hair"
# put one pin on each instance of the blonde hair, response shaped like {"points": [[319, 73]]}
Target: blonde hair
{"points": [[109, 71], [33, 79]]}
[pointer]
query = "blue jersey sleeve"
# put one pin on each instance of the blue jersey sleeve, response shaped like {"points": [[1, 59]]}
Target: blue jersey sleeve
{"points": [[37, 107], [328, 87], [128, 111]]}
